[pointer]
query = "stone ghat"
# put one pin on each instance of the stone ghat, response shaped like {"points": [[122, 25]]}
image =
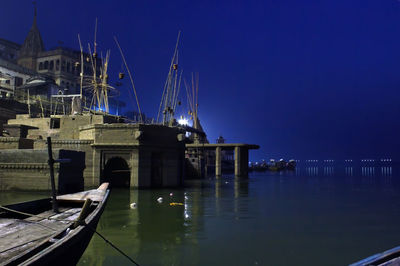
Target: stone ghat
{"points": [[28, 170]]}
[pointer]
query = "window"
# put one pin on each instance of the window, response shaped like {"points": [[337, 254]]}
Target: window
{"points": [[63, 65], [46, 64], [55, 123], [51, 66], [68, 67], [40, 65], [18, 81], [58, 64]]}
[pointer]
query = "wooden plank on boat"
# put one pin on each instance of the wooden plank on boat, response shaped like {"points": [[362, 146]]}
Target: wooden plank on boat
{"points": [[45, 215], [67, 216], [15, 251], [19, 235], [22, 233], [5, 222], [94, 195], [23, 240]]}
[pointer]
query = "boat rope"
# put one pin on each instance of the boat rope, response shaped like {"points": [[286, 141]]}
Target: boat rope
{"points": [[81, 223], [114, 246]]}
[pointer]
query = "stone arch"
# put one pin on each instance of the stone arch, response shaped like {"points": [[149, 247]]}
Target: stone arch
{"points": [[117, 172]]}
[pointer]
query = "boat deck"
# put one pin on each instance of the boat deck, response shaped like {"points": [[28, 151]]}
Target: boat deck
{"points": [[18, 235], [21, 233]]}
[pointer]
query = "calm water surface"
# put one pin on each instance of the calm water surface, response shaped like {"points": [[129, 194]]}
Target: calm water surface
{"points": [[313, 216]]}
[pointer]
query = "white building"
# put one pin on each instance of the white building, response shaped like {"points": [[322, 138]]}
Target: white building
{"points": [[11, 77]]}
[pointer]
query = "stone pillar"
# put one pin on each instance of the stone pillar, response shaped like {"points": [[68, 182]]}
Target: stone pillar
{"points": [[241, 161], [95, 179], [218, 166], [237, 161], [145, 166], [134, 166]]}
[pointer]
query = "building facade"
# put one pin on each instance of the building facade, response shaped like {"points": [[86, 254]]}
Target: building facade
{"points": [[12, 76], [9, 50], [18, 63]]}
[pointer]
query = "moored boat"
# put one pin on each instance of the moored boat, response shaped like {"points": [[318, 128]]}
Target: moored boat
{"points": [[387, 258], [32, 233]]}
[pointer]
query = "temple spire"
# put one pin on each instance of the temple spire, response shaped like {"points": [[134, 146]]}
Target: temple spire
{"points": [[32, 45], [35, 12]]}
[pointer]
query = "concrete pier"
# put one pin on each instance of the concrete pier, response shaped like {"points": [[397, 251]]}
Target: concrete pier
{"points": [[241, 155], [241, 161], [218, 161]]}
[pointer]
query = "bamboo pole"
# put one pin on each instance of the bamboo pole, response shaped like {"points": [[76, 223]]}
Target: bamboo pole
{"points": [[165, 94], [51, 167], [81, 74], [41, 106], [130, 76], [29, 104]]}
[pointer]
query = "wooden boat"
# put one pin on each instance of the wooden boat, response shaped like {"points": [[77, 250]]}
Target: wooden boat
{"points": [[45, 237], [387, 258]]}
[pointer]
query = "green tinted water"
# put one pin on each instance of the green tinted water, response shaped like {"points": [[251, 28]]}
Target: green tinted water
{"points": [[310, 217]]}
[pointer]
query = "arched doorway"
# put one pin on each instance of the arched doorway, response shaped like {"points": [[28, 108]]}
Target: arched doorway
{"points": [[117, 172]]}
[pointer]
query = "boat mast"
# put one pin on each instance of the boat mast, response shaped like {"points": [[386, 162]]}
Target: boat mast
{"points": [[171, 89], [130, 77], [81, 74]]}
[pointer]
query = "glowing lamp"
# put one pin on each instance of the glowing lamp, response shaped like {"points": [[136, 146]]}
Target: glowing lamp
{"points": [[183, 122]]}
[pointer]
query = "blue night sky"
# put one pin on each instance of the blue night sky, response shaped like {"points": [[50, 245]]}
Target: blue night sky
{"points": [[304, 79]]}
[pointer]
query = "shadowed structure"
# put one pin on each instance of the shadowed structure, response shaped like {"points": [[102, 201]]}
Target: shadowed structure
{"points": [[117, 172]]}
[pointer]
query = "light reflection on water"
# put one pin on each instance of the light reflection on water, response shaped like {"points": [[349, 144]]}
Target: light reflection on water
{"points": [[316, 215]]}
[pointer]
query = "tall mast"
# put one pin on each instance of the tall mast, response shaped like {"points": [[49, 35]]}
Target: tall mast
{"points": [[81, 74], [170, 88], [130, 77]]}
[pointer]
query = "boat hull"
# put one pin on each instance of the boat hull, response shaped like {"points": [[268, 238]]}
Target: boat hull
{"points": [[387, 258], [66, 245], [70, 250]]}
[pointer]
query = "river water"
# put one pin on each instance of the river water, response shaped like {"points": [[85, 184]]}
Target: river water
{"points": [[316, 215]]}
